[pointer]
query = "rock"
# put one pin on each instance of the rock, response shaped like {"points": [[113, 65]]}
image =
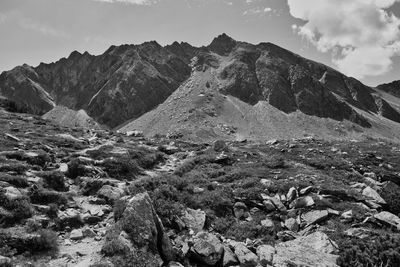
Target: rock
{"points": [[135, 133], [306, 190], [198, 190], [110, 193], [12, 193], [207, 248], [240, 210], [219, 146], [277, 203], [272, 142], [292, 225], [87, 232], [286, 235], [5, 261], [70, 217], [347, 215], [268, 223], [388, 218], [194, 219], [292, 194], [145, 230], [266, 255], [174, 264], [229, 258], [315, 216], [371, 194], [358, 232], [269, 206], [302, 202], [76, 234], [312, 250], [63, 168], [244, 255]]}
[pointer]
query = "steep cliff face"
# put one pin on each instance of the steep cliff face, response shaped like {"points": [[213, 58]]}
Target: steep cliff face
{"points": [[129, 80]]}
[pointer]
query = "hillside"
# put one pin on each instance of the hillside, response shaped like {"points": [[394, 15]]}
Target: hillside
{"points": [[391, 88], [72, 197], [264, 83], [71, 118]]}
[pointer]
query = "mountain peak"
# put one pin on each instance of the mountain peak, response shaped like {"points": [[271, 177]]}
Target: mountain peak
{"points": [[222, 44]]}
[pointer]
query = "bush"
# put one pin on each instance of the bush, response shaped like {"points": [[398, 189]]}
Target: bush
{"points": [[17, 167], [240, 231], [121, 168], [19, 209], [391, 194], [54, 180], [45, 197], [17, 181], [75, 169], [376, 250], [47, 241]]}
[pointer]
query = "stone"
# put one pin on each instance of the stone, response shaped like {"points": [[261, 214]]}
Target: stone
{"points": [[63, 168], [229, 258], [207, 248], [292, 225], [269, 206], [134, 133], [315, 216], [194, 219], [313, 250], [266, 254], [5, 261], [371, 194], [347, 215], [76, 234], [87, 232], [244, 255], [268, 223], [219, 146], [198, 190], [110, 193], [357, 232], [388, 218], [240, 210], [174, 264], [12, 193], [302, 202], [278, 203], [144, 228], [306, 190], [267, 182], [292, 194]]}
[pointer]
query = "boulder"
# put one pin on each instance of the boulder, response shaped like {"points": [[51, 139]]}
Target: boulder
{"points": [[371, 194], [292, 194], [244, 255], [12, 193], [312, 250], [240, 210], [110, 193], [268, 223], [302, 202], [207, 248], [229, 258], [5, 261], [194, 219], [76, 234], [219, 146], [145, 230], [266, 255], [388, 218], [269, 206], [315, 216], [292, 225]]}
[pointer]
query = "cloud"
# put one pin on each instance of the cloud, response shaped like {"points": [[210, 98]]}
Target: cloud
{"points": [[362, 35], [258, 10], [41, 28], [134, 2]]}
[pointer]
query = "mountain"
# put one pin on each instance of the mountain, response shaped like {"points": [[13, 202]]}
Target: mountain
{"points": [[246, 88], [71, 118], [391, 88]]}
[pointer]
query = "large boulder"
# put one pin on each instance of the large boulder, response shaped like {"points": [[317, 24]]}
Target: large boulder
{"points": [[315, 216], [144, 228], [207, 248], [388, 218], [312, 250], [110, 193], [371, 194], [266, 254]]}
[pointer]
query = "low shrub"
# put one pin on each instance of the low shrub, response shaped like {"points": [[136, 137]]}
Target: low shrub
{"points": [[121, 168], [44, 197], [18, 209], [376, 250], [240, 231], [15, 180], [54, 180]]}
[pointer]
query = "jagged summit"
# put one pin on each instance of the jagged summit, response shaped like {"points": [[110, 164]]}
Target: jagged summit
{"points": [[223, 44]]}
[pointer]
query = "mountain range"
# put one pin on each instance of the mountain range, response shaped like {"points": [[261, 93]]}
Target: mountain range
{"points": [[227, 89]]}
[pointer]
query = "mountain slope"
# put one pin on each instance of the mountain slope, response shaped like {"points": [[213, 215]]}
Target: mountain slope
{"points": [[391, 88], [129, 80]]}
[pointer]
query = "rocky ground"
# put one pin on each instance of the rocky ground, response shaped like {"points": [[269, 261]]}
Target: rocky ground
{"points": [[74, 197]]}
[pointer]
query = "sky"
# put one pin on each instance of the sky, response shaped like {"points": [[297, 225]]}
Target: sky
{"points": [[360, 38]]}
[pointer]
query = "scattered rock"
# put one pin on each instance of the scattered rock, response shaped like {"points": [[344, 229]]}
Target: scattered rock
{"points": [[229, 258], [266, 255], [194, 219], [302, 202], [110, 193], [219, 146], [292, 224], [244, 255], [207, 248], [388, 218], [240, 210], [373, 195], [315, 216], [76, 234]]}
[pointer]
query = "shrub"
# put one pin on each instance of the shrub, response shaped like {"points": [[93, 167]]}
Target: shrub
{"points": [[391, 194], [242, 230], [16, 167], [54, 180], [121, 168], [44, 197], [376, 250], [19, 209], [17, 181], [47, 241], [75, 169]]}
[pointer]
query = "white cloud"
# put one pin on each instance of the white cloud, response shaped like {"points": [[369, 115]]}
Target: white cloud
{"points": [[41, 28], [134, 2], [258, 10], [362, 35]]}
